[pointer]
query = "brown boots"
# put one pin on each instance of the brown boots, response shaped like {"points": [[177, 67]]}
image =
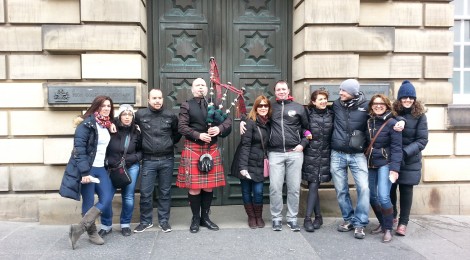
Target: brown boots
{"points": [[87, 222], [255, 215], [93, 235]]}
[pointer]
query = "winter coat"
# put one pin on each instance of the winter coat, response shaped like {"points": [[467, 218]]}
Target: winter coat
{"points": [[387, 148], [316, 166], [288, 121], [159, 130], [415, 139], [85, 144], [115, 148], [348, 119], [250, 155]]}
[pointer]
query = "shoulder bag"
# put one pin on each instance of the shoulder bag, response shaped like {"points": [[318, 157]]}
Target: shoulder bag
{"points": [[118, 174]]}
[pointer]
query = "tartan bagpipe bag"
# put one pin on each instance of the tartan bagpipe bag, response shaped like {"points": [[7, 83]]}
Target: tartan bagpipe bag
{"points": [[118, 174]]}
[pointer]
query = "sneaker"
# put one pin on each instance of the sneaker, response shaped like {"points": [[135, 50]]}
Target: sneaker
{"points": [[293, 226], [359, 233], [141, 227], [104, 232], [277, 225], [345, 227], [125, 231], [165, 227]]}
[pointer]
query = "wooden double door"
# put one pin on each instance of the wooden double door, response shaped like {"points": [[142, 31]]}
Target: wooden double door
{"points": [[251, 42]]}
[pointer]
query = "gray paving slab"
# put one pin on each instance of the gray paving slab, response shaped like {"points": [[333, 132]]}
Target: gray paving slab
{"points": [[428, 237]]}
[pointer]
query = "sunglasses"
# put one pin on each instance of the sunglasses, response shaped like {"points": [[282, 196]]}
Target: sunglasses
{"points": [[263, 106], [405, 98]]}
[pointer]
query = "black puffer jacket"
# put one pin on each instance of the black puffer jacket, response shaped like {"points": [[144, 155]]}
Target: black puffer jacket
{"points": [[387, 148], [251, 155], [348, 119], [115, 148], [159, 131], [415, 139], [288, 121], [316, 166]]}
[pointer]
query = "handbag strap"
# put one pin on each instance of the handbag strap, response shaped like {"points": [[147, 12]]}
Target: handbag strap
{"points": [[369, 148], [126, 145], [262, 141]]}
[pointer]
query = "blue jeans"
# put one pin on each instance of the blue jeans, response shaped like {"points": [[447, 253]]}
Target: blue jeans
{"points": [[104, 189], [127, 194], [357, 163], [249, 186], [286, 166], [380, 186], [151, 171]]}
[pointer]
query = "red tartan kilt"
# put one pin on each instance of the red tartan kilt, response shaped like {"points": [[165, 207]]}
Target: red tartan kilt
{"points": [[190, 177]]}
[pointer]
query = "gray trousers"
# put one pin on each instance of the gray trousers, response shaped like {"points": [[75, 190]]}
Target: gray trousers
{"points": [[286, 166]]}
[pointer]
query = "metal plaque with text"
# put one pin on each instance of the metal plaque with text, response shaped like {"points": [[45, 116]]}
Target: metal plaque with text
{"points": [[369, 89], [86, 94]]}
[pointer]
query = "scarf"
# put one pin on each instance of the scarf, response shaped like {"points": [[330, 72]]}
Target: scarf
{"points": [[350, 103], [103, 121], [291, 98], [263, 119]]}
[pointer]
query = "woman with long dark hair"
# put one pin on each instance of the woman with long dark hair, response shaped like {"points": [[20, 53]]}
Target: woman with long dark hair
{"points": [[248, 164], [85, 173], [316, 166], [415, 139]]}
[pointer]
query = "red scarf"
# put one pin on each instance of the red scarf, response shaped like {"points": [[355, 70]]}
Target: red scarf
{"points": [[291, 98], [102, 120]]}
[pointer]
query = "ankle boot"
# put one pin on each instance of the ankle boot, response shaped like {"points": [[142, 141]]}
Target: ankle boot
{"points": [[258, 208], [377, 230], [251, 216], [378, 213], [76, 230], [387, 236], [93, 235], [206, 201], [195, 204], [317, 222], [308, 225]]}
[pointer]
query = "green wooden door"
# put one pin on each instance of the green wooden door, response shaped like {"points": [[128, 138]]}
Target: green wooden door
{"points": [[251, 41]]}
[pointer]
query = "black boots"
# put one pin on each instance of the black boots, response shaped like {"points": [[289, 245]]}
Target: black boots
{"points": [[317, 222], [195, 204], [308, 225], [258, 208], [206, 201], [251, 216], [88, 220]]}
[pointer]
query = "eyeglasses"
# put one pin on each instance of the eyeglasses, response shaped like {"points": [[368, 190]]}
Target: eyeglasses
{"points": [[263, 106], [410, 98], [378, 104]]}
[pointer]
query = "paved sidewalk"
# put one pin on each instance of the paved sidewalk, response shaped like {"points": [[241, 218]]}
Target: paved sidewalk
{"points": [[428, 237]]}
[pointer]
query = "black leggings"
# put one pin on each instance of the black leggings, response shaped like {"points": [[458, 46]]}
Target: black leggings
{"points": [[406, 200], [313, 200]]}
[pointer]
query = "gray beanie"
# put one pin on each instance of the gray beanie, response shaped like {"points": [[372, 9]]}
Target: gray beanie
{"points": [[351, 86]]}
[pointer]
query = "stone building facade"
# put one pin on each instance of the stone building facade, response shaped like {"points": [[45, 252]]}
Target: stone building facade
{"points": [[98, 42]]}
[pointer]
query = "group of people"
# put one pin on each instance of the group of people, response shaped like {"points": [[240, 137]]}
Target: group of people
{"points": [[313, 143]]}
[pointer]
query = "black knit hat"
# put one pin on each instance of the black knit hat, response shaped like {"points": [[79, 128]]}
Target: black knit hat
{"points": [[406, 90]]}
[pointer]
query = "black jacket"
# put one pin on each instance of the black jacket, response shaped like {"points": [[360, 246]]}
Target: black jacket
{"points": [[250, 155], [316, 166], [159, 130], [288, 121], [415, 139], [387, 148], [85, 143], [348, 119], [115, 148]]}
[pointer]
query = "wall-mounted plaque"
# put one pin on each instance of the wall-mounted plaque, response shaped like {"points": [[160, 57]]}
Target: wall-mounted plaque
{"points": [[57, 94], [369, 89]]}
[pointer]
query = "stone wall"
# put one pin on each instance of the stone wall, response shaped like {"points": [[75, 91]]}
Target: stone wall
{"points": [[80, 43], [390, 41]]}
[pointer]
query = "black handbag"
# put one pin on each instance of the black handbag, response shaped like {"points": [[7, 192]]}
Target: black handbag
{"points": [[357, 140], [118, 174]]}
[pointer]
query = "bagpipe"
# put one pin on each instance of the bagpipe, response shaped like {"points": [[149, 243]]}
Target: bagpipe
{"points": [[215, 113]]}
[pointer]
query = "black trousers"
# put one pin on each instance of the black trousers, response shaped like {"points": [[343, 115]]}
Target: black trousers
{"points": [[406, 200]]}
